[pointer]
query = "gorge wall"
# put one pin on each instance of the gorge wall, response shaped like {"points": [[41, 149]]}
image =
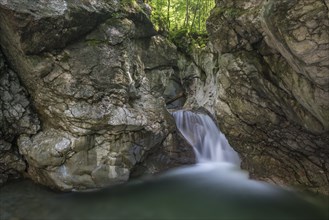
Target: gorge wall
{"points": [[89, 70], [86, 88], [265, 75]]}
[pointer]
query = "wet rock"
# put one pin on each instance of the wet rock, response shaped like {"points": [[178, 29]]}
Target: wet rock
{"points": [[272, 93], [16, 117], [174, 152]]}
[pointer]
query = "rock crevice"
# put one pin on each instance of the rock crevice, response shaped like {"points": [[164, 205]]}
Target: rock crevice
{"points": [[273, 97]]}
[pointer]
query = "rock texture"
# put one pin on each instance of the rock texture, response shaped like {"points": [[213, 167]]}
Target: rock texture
{"points": [[16, 117], [90, 68], [98, 79], [269, 63]]}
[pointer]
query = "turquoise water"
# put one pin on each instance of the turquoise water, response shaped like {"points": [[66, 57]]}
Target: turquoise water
{"points": [[203, 191], [215, 188]]}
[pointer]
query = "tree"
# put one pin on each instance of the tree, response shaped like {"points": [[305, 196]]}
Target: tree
{"points": [[178, 15]]}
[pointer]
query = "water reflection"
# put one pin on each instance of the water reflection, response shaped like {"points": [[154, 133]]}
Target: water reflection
{"points": [[202, 191]]}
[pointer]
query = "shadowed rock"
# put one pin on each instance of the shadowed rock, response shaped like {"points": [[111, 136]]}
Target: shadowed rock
{"points": [[265, 77]]}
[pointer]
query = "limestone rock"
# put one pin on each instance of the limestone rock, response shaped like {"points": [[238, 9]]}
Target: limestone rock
{"points": [[16, 118], [32, 23], [92, 89], [272, 97]]}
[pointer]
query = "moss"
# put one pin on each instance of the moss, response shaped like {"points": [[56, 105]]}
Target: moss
{"points": [[186, 41], [65, 57], [233, 12], [127, 2], [217, 11], [95, 42], [117, 15], [131, 5]]}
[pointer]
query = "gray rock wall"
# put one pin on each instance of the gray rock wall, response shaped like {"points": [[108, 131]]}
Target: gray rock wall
{"points": [[87, 107], [90, 68], [17, 117], [272, 98]]}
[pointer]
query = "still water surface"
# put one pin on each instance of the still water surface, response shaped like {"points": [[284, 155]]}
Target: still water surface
{"points": [[214, 188], [202, 191]]}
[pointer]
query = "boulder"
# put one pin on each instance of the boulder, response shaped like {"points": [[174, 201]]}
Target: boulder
{"points": [[87, 68]]}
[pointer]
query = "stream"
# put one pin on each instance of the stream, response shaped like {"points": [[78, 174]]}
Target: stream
{"points": [[214, 188]]}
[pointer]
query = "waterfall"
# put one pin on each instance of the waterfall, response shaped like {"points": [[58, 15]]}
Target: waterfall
{"points": [[209, 144]]}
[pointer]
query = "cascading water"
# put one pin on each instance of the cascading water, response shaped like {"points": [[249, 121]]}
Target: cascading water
{"points": [[214, 189], [209, 144]]}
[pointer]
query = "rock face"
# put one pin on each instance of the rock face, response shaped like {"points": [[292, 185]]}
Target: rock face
{"points": [[16, 118], [90, 68], [87, 107], [270, 64]]}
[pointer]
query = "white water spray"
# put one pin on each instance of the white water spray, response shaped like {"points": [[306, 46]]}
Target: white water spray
{"points": [[209, 144]]}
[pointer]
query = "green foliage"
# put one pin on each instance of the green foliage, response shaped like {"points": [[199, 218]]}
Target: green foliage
{"points": [[127, 2], [186, 40], [130, 4], [184, 20]]}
